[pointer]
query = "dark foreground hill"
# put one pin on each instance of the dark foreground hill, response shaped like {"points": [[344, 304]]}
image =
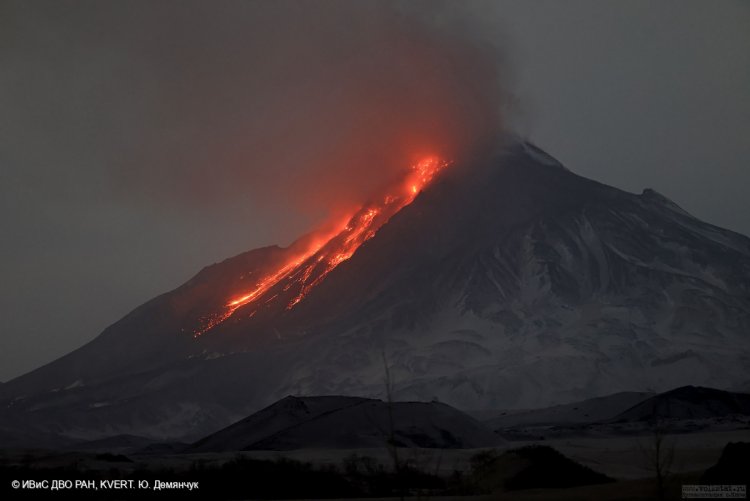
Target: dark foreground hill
{"points": [[349, 423], [733, 467], [531, 467]]}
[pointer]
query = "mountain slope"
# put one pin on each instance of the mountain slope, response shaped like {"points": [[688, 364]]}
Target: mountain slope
{"points": [[585, 411], [688, 402], [509, 282]]}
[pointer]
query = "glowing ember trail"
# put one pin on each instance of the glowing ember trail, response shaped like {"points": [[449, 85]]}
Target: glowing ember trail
{"points": [[294, 279]]}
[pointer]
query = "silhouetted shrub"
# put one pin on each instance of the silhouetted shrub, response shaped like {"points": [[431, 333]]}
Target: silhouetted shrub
{"points": [[548, 468]]}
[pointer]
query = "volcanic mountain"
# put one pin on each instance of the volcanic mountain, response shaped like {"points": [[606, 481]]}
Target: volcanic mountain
{"points": [[505, 281]]}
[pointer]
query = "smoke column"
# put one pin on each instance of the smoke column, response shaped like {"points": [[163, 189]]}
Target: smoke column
{"points": [[310, 105]]}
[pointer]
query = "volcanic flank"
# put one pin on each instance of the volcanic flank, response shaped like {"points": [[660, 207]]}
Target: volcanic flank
{"points": [[506, 281], [291, 280]]}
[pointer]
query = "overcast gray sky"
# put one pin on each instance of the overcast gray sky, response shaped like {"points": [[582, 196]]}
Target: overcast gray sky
{"points": [[141, 141]]}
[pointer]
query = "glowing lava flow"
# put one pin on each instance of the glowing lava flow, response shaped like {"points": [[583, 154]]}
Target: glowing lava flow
{"points": [[294, 279]]}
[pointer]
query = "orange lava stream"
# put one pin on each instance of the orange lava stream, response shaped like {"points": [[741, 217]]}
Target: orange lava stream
{"points": [[309, 268]]}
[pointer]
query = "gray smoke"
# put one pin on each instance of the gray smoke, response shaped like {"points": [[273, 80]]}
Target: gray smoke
{"points": [[309, 105]]}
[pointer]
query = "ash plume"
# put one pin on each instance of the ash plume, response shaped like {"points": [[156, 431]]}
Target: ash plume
{"points": [[284, 107], [307, 105]]}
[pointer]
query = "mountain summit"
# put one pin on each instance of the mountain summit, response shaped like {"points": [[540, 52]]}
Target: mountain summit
{"points": [[505, 282]]}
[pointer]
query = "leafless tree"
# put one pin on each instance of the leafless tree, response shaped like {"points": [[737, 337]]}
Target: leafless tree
{"points": [[391, 440], [659, 453]]}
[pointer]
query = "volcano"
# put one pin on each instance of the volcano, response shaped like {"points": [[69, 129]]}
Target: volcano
{"points": [[506, 281]]}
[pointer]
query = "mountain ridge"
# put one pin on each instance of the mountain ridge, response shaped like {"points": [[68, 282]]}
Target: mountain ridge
{"points": [[350, 423]]}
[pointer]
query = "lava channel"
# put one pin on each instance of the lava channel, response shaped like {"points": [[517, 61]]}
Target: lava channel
{"points": [[302, 272]]}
